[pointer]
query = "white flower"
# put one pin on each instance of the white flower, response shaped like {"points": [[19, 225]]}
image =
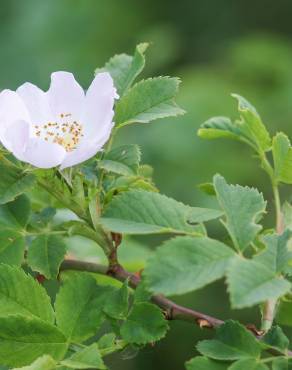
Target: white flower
{"points": [[63, 126]]}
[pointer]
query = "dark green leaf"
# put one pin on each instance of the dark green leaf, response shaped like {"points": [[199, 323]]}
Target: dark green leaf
{"points": [[249, 364], [145, 324], [203, 363], [117, 302], [276, 338]]}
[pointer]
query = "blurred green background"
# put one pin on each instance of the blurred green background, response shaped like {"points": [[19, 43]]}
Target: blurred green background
{"points": [[217, 47]]}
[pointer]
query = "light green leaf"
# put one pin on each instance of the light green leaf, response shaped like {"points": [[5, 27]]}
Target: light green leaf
{"points": [[13, 182], [276, 338], [24, 339], [281, 364], [123, 160], [287, 215], [81, 293], [145, 324], [251, 282], [220, 127], [124, 68], [243, 208], [148, 100], [282, 155], [248, 129], [117, 302], [22, 294], [232, 342], [203, 363], [42, 363], [143, 212], [184, 264], [250, 364], [252, 126], [46, 254], [14, 217], [276, 255], [88, 358]]}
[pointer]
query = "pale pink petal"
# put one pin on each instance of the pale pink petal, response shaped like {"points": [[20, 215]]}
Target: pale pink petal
{"points": [[36, 102], [18, 136], [12, 109], [99, 103], [43, 154], [66, 96], [85, 150]]}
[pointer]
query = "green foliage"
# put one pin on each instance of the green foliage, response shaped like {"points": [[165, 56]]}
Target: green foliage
{"points": [[148, 100], [275, 338], [184, 264], [21, 294], [142, 212], [45, 255], [82, 293], [123, 160], [203, 363], [232, 342], [243, 208], [87, 358], [14, 217], [124, 68], [145, 324], [282, 155], [100, 202], [45, 363], [24, 339], [251, 282], [248, 129], [13, 182], [116, 305]]}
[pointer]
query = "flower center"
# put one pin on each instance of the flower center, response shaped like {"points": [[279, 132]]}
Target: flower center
{"points": [[65, 132]]}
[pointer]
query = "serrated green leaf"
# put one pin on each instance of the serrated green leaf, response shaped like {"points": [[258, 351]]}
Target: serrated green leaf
{"points": [[143, 212], [276, 338], [251, 124], [148, 100], [220, 127], [243, 208], [22, 294], [250, 364], [232, 342], [203, 363], [14, 217], [282, 155], [13, 182], [184, 264], [251, 282], [46, 254], [276, 255], [24, 339], [144, 324], [87, 358], [124, 68], [81, 293], [123, 160], [42, 363], [117, 302]]}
